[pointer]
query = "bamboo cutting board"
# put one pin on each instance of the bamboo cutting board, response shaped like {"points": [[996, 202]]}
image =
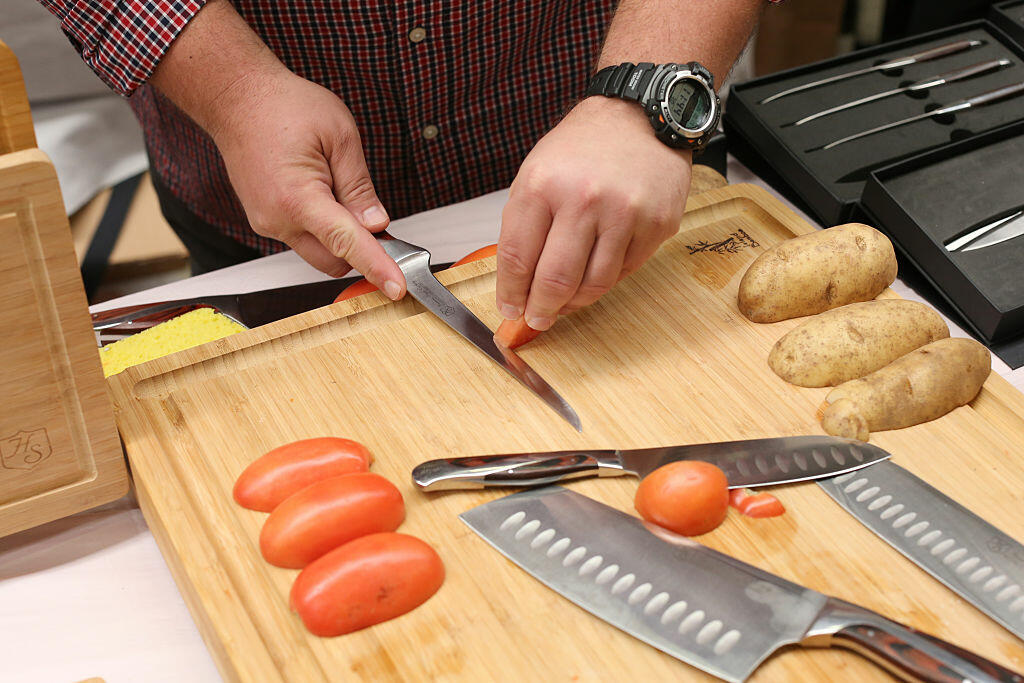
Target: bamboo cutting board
{"points": [[665, 358], [59, 451]]}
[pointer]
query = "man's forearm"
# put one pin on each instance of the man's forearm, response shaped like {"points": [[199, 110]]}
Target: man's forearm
{"points": [[216, 62], [681, 31]]}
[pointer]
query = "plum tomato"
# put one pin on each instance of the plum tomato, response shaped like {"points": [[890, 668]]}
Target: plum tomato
{"points": [[688, 497], [327, 514]]}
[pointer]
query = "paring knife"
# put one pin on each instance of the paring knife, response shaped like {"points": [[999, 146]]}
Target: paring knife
{"points": [[923, 84], [923, 56], [710, 610], [414, 262], [993, 232], [755, 462], [971, 557], [960, 105]]}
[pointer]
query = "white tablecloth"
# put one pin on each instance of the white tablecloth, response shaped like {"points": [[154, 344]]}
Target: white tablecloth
{"points": [[91, 596]]}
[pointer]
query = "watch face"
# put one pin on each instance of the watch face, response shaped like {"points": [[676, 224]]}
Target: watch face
{"points": [[689, 104]]}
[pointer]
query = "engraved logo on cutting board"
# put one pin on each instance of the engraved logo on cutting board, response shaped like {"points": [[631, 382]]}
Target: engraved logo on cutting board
{"points": [[730, 245], [25, 449]]}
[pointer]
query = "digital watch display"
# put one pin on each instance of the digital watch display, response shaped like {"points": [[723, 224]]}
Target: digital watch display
{"points": [[680, 100]]}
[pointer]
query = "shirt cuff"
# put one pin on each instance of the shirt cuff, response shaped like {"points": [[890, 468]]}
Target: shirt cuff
{"points": [[124, 40]]}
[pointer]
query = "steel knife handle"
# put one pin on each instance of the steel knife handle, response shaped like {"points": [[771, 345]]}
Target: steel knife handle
{"points": [[516, 469], [932, 53], [907, 653], [997, 94]]}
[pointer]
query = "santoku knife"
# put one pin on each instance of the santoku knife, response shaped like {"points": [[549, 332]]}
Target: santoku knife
{"points": [[755, 462], [708, 609], [424, 287], [970, 556]]}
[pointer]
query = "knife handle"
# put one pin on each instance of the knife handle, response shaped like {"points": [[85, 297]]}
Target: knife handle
{"points": [[935, 52], [907, 653], [516, 469]]}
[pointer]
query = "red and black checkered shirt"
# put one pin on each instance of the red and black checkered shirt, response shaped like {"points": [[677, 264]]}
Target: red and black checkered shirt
{"points": [[449, 96]]}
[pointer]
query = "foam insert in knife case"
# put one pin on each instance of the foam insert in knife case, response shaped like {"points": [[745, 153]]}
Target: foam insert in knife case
{"points": [[1009, 16], [926, 201], [758, 134]]}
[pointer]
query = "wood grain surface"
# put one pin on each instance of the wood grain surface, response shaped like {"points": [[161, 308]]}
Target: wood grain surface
{"points": [[16, 131], [665, 358], [59, 448]]}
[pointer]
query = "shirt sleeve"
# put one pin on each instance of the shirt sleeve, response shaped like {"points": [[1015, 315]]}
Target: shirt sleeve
{"points": [[123, 40]]}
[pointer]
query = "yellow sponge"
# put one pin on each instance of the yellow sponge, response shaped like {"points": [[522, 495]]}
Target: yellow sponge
{"points": [[191, 329]]}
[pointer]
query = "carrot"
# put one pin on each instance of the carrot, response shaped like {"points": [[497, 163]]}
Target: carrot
{"points": [[514, 333]]}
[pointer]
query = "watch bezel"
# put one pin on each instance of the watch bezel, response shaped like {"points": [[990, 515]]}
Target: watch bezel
{"points": [[690, 133]]}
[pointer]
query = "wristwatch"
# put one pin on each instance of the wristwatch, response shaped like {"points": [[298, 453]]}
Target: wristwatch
{"points": [[679, 99]]}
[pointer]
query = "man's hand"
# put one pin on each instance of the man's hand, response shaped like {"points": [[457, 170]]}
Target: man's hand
{"points": [[295, 160], [291, 147], [592, 201]]}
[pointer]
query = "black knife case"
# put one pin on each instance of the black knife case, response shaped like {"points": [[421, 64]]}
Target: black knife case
{"points": [[783, 155], [924, 202], [1009, 16]]}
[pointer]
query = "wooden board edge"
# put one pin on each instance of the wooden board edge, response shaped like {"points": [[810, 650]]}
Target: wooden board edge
{"points": [[16, 129]]}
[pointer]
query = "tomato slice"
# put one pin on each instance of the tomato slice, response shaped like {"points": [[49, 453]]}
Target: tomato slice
{"points": [[688, 497], [287, 469], [753, 504], [514, 333], [481, 253], [364, 582], [357, 288], [327, 514]]}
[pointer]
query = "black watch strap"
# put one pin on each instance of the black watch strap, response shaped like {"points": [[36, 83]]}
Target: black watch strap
{"points": [[627, 81]]}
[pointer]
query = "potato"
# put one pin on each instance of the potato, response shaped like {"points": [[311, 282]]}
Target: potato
{"points": [[850, 341], [924, 384], [817, 272]]}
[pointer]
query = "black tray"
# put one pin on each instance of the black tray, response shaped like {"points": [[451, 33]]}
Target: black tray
{"points": [[924, 202], [812, 178], [1009, 16]]}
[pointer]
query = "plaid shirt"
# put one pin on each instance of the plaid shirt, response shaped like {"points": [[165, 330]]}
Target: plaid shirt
{"points": [[448, 96]]}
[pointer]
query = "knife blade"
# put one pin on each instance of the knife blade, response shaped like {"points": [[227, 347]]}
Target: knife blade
{"points": [[423, 286], [993, 232], [706, 608], [251, 309], [960, 105], [923, 84], [896, 63], [754, 462], [971, 557]]}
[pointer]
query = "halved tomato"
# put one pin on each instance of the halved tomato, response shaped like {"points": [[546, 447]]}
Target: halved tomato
{"points": [[688, 497], [754, 504]]}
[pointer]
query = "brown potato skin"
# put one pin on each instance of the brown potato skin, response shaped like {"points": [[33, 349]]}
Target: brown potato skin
{"points": [[923, 385], [817, 272], [854, 340]]}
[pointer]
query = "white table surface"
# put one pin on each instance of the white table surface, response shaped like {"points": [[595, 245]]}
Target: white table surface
{"points": [[90, 595]]}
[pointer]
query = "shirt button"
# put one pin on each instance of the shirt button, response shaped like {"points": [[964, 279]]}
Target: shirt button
{"points": [[430, 132], [417, 34]]}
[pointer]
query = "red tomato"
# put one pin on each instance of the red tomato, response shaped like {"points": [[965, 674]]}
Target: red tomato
{"points": [[364, 582], [514, 333], [279, 473], [482, 252], [357, 288], [754, 504], [327, 514], [688, 497]]}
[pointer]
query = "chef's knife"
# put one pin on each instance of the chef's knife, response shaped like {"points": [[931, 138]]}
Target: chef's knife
{"points": [[898, 62], [923, 84], [755, 462], [993, 232], [970, 556], [424, 287], [251, 309], [960, 105], [708, 609]]}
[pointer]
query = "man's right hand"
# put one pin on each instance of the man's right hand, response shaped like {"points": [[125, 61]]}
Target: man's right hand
{"points": [[291, 147]]}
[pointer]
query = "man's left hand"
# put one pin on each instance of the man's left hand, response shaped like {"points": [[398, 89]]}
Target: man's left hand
{"points": [[593, 200]]}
